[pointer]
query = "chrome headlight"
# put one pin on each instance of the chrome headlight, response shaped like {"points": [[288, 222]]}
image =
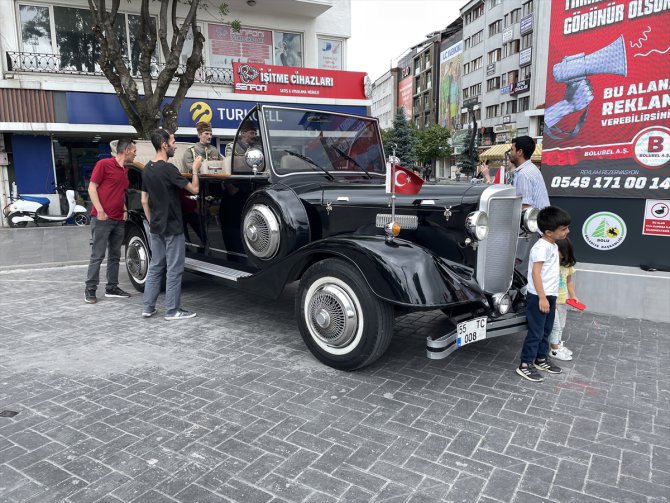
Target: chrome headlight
{"points": [[477, 225], [502, 303], [529, 220]]}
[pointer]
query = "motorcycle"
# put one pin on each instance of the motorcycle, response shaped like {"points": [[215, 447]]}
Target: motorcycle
{"points": [[24, 209]]}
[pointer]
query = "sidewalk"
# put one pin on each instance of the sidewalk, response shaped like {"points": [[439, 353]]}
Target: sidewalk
{"points": [[44, 246]]}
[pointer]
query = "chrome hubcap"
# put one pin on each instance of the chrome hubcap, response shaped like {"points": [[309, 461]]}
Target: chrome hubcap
{"points": [[137, 260], [332, 316]]}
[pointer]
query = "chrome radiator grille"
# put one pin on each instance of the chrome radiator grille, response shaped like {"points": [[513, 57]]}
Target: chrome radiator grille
{"points": [[496, 254]]}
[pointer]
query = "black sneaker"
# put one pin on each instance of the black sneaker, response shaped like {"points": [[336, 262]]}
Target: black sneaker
{"points": [[528, 372], [180, 314], [548, 366], [116, 292], [89, 296]]}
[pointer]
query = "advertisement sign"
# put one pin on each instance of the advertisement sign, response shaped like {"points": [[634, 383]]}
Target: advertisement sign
{"points": [[656, 218], [247, 45], [526, 24], [100, 108], [490, 69], [520, 87], [508, 34], [405, 96], [526, 56], [451, 61], [607, 121], [288, 48], [261, 79], [330, 54]]}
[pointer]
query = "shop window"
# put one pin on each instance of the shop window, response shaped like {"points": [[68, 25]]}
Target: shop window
{"points": [[331, 54], [288, 48]]}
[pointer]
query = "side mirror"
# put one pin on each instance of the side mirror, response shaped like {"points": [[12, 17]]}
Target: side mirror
{"points": [[255, 159]]}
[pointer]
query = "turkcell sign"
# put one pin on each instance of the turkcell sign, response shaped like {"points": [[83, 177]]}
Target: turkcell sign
{"points": [[451, 51], [258, 78]]}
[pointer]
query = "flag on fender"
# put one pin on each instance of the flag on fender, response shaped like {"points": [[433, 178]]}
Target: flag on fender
{"points": [[406, 182], [500, 175]]}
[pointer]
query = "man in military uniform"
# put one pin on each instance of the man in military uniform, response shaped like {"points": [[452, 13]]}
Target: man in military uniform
{"points": [[203, 148]]}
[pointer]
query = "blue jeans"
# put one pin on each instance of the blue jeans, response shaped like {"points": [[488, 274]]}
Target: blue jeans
{"points": [[167, 253], [107, 236], [536, 344]]}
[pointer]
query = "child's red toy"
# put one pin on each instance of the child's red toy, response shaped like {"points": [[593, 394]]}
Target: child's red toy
{"points": [[576, 304]]}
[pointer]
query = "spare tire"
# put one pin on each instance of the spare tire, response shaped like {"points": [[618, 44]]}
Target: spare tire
{"points": [[274, 225]]}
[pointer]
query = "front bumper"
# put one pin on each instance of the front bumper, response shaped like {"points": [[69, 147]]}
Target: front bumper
{"points": [[442, 347]]}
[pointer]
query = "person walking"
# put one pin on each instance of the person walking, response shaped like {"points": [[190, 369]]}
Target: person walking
{"points": [[107, 190], [161, 184], [543, 275], [566, 290]]}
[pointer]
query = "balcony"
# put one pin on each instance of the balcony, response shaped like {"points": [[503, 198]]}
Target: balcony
{"points": [[27, 62]]}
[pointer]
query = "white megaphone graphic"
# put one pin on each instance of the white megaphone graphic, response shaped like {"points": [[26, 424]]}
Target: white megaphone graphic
{"points": [[573, 71]]}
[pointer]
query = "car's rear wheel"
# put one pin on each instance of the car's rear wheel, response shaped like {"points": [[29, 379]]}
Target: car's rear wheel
{"points": [[341, 321], [137, 259]]}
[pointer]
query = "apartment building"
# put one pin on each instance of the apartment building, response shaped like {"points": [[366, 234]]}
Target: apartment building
{"points": [[384, 99], [504, 67]]}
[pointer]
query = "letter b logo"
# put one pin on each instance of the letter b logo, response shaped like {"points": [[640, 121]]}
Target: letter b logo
{"points": [[655, 144]]}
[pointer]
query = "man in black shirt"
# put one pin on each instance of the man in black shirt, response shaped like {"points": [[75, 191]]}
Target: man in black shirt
{"points": [[161, 183]]}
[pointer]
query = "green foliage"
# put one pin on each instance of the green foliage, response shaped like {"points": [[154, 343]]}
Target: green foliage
{"points": [[403, 136], [433, 144]]}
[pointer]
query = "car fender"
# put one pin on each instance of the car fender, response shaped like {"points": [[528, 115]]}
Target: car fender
{"points": [[399, 272]]}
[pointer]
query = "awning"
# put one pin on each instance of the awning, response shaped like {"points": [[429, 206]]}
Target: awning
{"points": [[497, 153]]}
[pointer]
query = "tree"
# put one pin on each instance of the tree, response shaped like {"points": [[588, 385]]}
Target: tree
{"points": [[433, 144], [404, 136], [146, 110]]}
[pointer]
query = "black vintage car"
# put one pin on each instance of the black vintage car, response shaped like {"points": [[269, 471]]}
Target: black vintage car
{"points": [[308, 203]]}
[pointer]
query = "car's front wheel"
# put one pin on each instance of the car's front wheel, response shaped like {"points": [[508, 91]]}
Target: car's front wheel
{"points": [[137, 259], [342, 322]]}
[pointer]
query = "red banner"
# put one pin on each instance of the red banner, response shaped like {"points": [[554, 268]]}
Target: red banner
{"points": [[607, 115], [262, 79]]}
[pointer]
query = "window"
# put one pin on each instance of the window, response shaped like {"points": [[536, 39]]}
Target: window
{"points": [[527, 8], [494, 56], [526, 40], [515, 16], [35, 29], [473, 14], [524, 72], [473, 65], [492, 111], [495, 27], [493, 3], [477, 37], [511, 47], [524, 103], [330, 53], [509, 107], [493, 84], [510, 78]]}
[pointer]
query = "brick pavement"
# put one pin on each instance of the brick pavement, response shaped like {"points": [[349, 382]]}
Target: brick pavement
{"points": [[230, 406]]}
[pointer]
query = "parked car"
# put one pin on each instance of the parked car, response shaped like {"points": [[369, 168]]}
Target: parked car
{"points": [[307, 203]]}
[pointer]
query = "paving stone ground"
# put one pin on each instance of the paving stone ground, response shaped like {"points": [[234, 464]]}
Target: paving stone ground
{"points": [[230, 406]]}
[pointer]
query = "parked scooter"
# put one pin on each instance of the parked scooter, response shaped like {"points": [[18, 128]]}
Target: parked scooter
{"points": [[24, 209]]}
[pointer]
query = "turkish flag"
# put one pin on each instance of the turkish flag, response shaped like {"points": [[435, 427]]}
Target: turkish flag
{"points": [[500, 175], [406, 182]]}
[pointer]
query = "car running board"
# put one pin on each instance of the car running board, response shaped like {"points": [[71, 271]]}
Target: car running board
{"points": [[215, 270], [442, 347]]}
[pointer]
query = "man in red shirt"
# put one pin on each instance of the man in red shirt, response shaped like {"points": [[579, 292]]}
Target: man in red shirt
{"points": [[107, 189]]}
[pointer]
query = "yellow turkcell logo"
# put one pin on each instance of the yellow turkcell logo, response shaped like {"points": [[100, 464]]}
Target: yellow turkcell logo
{"points": [[201, 111]]}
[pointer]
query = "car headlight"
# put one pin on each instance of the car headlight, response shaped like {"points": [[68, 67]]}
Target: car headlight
{"points": [[477, 225], [502, 303], [529, 220]]}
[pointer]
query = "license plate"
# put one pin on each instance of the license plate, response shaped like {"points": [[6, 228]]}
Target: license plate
{"points": [[471, 331]]}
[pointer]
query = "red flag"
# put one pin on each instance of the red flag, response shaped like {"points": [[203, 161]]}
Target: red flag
{"points": [[406, 182], [500, 175]]}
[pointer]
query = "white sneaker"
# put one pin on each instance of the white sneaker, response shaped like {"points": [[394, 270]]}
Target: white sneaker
{"points": [[562, 346], [560, 354]]}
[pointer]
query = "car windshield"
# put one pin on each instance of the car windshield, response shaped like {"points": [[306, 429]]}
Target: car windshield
{"points": [[316, 141]]}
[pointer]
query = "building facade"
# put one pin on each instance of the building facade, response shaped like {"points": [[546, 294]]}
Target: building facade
{"points": [[58, 112], [384, 99], [504, 67]]}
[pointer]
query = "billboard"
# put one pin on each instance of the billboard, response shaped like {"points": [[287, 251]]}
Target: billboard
{"points": [[249, 78], [607, 121], [405, 96], [248, 45], [451, 61]]}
